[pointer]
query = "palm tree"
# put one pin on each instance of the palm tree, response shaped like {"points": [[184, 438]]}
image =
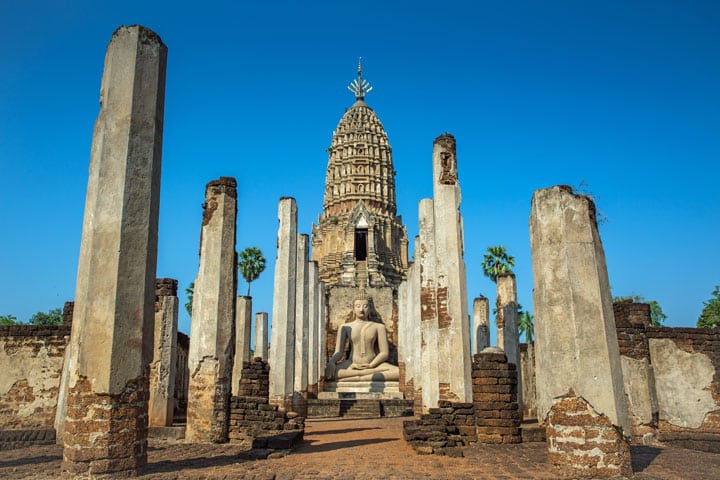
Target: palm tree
{"points": [[189, 291], [497, 262], [251, 264], [525, 325]]}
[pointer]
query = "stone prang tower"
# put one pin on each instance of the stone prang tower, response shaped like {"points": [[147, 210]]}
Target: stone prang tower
{"points": [[359, 240]]}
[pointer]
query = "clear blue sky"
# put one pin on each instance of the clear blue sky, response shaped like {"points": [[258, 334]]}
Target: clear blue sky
{"points": [[621, 95]]}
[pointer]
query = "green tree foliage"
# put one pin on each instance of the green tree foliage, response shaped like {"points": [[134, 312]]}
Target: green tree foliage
{"points": [[251, 264], [8, 320], [526, 325], [52, 317], [710, 315], [189, 291], [497, 262], [657, 316]]}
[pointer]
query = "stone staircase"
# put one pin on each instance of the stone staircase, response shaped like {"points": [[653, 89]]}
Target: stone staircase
{"points": [[361, 274], [360, 408]]}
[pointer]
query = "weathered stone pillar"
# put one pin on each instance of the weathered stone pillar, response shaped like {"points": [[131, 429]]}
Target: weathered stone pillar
{"points": [[105, 431], [404, 344], [163, 366], [414, 312], [282, 333], [302, 325], [212, 332], [430, 354], [452, 305], [576, 341], [243, 324], [261, 338], [322, 358], [61, 409], [481, 323], [507, 322], [528, 408], [313, 329]]}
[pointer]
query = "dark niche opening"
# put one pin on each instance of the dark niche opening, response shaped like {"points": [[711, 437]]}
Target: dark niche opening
{"points": [[361, 244]]}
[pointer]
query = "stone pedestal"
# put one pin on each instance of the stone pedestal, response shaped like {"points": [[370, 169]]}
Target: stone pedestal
{"points": [[105, 431], [164, 366], [361, 390], [261, 335], [576, 341], [481, 323], [282, 333], [212, 333], [243, 325]]}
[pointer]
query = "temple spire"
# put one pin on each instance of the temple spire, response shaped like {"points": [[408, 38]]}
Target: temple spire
{"points": [[359, 86]]}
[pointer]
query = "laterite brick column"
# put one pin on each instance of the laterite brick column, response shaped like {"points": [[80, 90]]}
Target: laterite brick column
{"points": [[212, 332], [164, 364], [105, 430], [497, 414]]}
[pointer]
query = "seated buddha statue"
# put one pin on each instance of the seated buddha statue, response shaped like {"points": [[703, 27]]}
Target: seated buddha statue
{"points": [[362, 349]]}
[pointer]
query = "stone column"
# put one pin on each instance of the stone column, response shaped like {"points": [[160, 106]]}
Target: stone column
{"points": [[313, 329], [452, 304], [481, 319], [302, 325], [163, 366], [430, 355], [212, 332], [105, 431], [404, 344], [243, 324], [576, 344], [282, 333], [321, 326], [261, 339], [414, 311], [507, 322]]}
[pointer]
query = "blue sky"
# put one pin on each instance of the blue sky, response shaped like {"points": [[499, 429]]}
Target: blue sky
{"points": [[620, 95]]}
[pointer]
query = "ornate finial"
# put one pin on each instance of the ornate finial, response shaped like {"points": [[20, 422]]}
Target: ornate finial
{"points": [[359, 86]]}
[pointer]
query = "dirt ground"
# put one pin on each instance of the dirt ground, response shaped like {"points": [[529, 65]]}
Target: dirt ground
{"points": [[360, 449]]}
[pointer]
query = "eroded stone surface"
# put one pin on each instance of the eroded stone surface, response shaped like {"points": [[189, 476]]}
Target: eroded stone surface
{"points": [[682, 380], [212, 332]]}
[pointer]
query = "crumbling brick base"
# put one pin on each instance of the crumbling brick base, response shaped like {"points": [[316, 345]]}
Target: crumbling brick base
{"points": [[583, 443], [443, 431], [253, 421], [494, 389], [208, 404], [106, 434]]}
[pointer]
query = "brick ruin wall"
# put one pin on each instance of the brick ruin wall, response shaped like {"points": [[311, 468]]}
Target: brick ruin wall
{"points": [[253, 421], [493, 416], [31, 359], [494, 387], [684, 366]]}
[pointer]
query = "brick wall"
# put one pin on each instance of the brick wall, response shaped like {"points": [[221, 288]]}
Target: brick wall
{"points": [[31, 362], [253, 421]]}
